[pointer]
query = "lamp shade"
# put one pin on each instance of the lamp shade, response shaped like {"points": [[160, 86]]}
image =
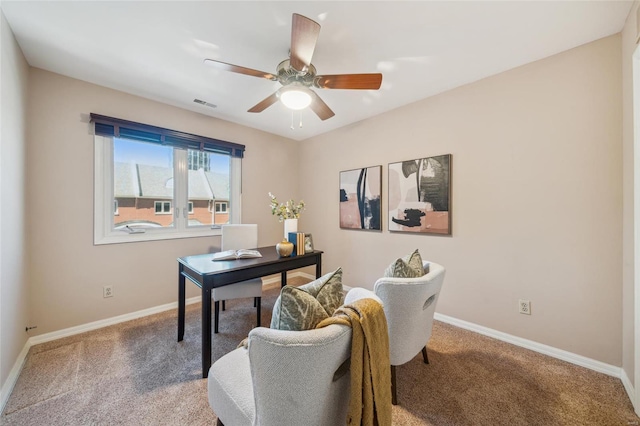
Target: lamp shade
{"points": [[295, 97]]}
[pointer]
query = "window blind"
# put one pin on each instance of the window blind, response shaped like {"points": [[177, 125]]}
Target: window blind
{"points": [[116, 127]]}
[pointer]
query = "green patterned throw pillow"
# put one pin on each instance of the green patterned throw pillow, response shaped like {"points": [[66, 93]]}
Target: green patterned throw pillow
{"points": [[409, 266], [304, 307]]}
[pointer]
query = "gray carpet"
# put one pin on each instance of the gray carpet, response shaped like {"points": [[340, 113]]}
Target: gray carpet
{"points": [[136, 373]]}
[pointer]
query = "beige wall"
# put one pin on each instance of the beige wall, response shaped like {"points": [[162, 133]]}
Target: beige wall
{"points": [[14, 308], [629, 33], [68, 271], [537, 198]]}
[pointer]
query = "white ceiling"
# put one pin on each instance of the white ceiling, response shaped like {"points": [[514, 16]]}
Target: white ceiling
{"points": [[156, 49]]}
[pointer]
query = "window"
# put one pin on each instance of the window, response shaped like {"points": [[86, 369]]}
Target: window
{"points": [[221, 207], [163, 207], [161, 183]]}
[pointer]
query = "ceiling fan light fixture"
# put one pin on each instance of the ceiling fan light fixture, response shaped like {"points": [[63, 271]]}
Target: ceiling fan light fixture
{"points": [[295, 97]]}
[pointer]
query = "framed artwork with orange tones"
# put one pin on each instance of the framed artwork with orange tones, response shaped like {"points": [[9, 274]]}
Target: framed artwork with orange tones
{"points": [[360, 198], [420, 195]]}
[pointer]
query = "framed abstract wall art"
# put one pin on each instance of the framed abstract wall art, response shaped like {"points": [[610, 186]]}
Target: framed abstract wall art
{"points": [[360, 198], [420, 195]]}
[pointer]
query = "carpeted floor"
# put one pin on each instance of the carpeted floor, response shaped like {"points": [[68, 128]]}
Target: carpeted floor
{"points": [[135, 373]]}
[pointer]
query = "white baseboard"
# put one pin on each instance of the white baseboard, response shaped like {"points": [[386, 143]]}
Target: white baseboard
{"points": [[47, 337], [54, 335], [268, 283], [580, 360], [305, 275], [7, 386], [628, 386]]}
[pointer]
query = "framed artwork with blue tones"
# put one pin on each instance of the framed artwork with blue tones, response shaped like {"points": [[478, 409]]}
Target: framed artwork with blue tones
{"points": [[360, 198], [420, 195]]}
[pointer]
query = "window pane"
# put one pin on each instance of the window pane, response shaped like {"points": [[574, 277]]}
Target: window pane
{"points": [[208, 183], [127, 171], [143, 180]]}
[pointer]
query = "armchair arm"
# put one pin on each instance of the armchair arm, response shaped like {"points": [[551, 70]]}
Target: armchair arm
{"points": [[357, 293]]}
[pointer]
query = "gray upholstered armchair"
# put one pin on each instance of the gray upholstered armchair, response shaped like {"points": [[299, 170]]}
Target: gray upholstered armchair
{"points": [[286, 377], [409, 305]]}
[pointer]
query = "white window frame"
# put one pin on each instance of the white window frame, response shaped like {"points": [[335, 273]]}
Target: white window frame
{"points": [[104, 197], [221, 203], [162, 203]]}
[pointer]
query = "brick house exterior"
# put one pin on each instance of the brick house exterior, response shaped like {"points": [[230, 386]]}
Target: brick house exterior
{"points": [[143, 196]]}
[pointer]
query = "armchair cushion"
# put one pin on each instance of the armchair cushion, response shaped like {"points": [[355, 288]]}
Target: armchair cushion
{"points": [[230, 388], [302, 308], [410, 266]]}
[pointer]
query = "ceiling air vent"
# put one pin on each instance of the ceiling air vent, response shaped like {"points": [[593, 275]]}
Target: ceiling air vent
{"points": [[205, 103]]}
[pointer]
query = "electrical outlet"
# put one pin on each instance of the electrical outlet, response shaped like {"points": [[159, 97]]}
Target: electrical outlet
{"points": [[524, 307], [107, 291]]}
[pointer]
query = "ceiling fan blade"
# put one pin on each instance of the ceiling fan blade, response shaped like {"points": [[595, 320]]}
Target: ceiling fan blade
{"points": [[349, 81], [265, 103], [304, 35], [240, 70], [321, 109]]}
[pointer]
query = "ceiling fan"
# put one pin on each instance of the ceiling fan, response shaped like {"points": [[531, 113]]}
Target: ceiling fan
{"points": [[297, 74]]}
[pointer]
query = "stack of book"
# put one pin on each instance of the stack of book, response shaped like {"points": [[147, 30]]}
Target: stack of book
{"points": [[297, 238]]}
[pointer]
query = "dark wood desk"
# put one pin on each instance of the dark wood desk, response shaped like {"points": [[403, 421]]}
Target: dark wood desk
{"points": [[207, 274]]}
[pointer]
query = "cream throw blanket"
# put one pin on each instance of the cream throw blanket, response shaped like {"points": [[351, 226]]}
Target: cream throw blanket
{"points": [[370, 402]]}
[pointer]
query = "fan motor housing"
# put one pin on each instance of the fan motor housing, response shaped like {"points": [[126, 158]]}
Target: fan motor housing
{"points": [[287, 74]]}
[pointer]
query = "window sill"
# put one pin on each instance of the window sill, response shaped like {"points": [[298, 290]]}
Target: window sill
{"points": [[119, 237]]}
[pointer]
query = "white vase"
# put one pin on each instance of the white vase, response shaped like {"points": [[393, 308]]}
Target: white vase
{"points": [[290, 225]]}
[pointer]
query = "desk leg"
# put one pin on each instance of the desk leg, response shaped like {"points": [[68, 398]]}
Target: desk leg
{"points": [[181, 303], [318, 266], [206, 331], [283, 279]]}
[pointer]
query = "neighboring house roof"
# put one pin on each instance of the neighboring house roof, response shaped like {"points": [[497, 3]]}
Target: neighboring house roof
{"points": [[144, 181], [219, 184], [155, 181], [126, 181], [198, 186]]}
